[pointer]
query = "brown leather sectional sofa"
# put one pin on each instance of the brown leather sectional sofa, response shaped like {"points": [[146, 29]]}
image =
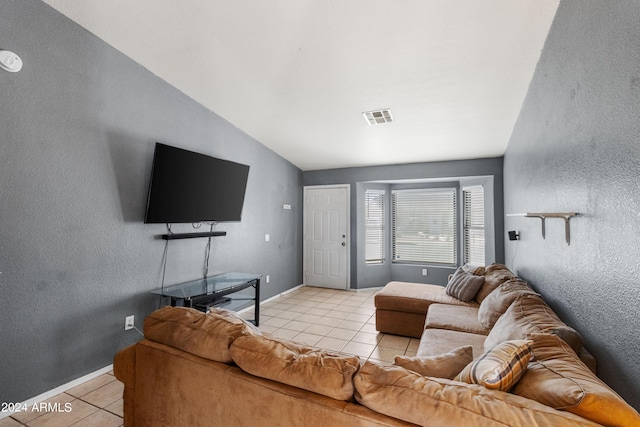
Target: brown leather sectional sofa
{"points": [[443, 322], [215, 369]]}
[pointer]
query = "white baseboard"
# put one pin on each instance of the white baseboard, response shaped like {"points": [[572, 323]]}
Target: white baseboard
{"points": [[61, 389], [377, 288]]}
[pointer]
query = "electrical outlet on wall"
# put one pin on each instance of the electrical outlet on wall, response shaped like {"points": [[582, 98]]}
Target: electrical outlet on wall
{"points": [[266, 278], [129, 322], [424, 271]]}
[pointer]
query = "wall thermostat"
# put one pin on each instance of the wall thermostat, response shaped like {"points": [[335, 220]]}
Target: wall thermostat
{"points": [[10, 62]]}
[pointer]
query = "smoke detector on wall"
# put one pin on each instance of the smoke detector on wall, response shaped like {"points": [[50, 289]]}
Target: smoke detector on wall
{"points": [[378, 117]]}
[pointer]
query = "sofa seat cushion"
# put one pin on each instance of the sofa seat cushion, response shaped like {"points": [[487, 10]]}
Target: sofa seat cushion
{"points": [[530, 314], [297, 365], [498, 301], [454, 318], [414, 297], [208, 335], [557, 378], [439, 341], [446, 365], [426, 401], [494, 275]]}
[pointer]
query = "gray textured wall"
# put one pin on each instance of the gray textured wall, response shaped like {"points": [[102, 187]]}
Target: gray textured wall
{"points": [[363, 275], [576, 147], [77, 129]]}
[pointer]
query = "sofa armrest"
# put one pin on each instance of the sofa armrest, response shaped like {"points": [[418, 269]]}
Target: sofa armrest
{"points": [[124, 366], [124, 369]]}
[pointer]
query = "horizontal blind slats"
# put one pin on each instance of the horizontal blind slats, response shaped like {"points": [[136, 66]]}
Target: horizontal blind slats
{"points": [[424, 226], [374, 226], [473, 225]]}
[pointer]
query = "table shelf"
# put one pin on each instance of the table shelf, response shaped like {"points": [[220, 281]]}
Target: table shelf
{"points": [[231, 291]]}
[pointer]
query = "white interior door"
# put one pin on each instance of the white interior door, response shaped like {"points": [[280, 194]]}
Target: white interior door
{"points": [[326, 236]]}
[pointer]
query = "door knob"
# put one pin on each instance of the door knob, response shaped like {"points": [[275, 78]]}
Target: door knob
{"points": [[344, 244]]}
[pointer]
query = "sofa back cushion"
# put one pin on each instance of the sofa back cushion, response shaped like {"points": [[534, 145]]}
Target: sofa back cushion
{"points": [[426, 401], [208, 335], [557, 378], [498, 301], [530, 314], [494, 275], [297, 365]]}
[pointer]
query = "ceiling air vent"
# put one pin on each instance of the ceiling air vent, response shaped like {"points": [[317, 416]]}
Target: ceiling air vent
{"points": [[378, 117]]}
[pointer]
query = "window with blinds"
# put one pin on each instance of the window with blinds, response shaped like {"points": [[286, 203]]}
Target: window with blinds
{"points": [[473, 225], [424, 226], [374, 226]]}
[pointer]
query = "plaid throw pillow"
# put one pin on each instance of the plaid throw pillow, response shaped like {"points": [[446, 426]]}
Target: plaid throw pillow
{"points": [[501, 367]]}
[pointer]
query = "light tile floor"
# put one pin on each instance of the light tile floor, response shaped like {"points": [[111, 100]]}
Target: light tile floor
{"points": [[95, 403], [340, 321]]}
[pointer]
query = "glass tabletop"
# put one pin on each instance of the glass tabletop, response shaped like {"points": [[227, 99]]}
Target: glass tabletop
{"points": [[208, 286]]}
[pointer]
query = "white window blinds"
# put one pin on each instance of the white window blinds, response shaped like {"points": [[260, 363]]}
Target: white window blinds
{"points": [[424, 226], [374, 226], [473, 225]]}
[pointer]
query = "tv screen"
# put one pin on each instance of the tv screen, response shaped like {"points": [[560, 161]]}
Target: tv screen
{"points": [[191, 187]]}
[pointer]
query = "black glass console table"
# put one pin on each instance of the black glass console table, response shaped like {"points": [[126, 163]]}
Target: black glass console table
{"points": [[231, 291]]}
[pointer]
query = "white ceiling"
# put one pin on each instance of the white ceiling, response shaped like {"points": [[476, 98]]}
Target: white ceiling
{"points": [[297, 74]]}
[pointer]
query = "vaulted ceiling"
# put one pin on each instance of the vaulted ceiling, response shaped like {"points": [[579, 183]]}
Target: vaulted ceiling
{"points": [[297, 74]]}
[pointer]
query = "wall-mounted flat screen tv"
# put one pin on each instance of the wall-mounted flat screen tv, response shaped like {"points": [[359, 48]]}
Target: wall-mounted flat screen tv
{"points": [[192, 187]]}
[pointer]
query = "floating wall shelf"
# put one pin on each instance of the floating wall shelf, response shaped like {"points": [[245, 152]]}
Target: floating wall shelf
{"points": [[193, 235], [544, 215]]}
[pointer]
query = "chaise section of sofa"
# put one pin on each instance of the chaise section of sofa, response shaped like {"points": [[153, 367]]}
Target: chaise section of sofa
{"points": [[401, 307]]}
